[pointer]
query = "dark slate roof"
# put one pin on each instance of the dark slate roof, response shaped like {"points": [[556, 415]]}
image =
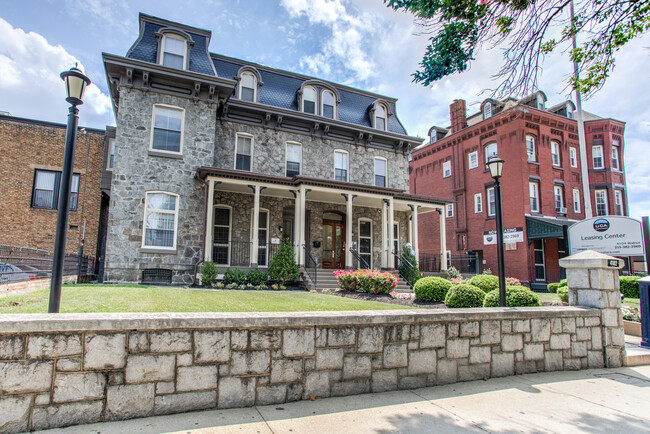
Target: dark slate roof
{"points": [[145, 49]]}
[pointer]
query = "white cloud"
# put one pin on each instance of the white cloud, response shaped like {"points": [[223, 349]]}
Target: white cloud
{"points": [[115, 13], [30, 84]]}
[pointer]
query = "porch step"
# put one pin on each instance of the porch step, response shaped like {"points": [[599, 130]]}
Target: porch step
{"points": [[325, 279]]}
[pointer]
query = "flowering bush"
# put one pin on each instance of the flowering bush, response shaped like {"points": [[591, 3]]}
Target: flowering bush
{"points": [[458, 280], [402, 296], [374, 282], [218, 285], [512, 281], [631, 313]]}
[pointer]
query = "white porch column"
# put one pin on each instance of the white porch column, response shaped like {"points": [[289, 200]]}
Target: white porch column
{"points": [[384, 235], [443, 241], [302, 224], [256, 226], [209, 222], [348, 231], [391, 232], [414, 225], [296, 227]]}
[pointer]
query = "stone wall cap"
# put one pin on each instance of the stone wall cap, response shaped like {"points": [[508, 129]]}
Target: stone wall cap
{"points": [[590, 259], [75, 322]]}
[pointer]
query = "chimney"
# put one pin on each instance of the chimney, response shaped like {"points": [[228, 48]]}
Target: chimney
{"points": [[458, 115]]}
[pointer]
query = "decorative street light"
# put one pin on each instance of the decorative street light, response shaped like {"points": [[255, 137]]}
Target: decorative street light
{"points": [[75, 86], [495, 165]]}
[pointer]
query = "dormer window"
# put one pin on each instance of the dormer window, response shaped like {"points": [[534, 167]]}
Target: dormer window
{"points": [[487, 110], [380, 117], [247, 86], [309, 100], [540, 101], [569, 111], [174, 51], [433, 136], [328, 104]]}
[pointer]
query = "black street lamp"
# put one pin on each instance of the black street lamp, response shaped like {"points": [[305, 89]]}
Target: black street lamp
{"points": [[75, 86], [496, 167]]}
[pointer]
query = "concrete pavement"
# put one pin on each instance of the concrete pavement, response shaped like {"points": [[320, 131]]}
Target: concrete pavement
{"points": [[601, 400]]}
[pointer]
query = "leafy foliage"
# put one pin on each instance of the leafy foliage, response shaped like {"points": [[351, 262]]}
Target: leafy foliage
{"points": [[374, 282], [630, 286], [209, 273], [563, 293], [257, 277], [453, 273], [552, 287], [515, 296], [233, 275], [410, 272], [485, 281], [283, 267], [431, 289], [464, 295], [525, 28]]}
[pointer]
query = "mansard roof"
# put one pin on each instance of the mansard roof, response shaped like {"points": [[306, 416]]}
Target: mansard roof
{"points": [[280, 87]]}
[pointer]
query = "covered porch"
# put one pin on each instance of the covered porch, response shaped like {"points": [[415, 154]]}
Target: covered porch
{"points": [[331, 224]]}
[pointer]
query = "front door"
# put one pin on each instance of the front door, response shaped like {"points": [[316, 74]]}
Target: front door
{"points": [[333, 244]]}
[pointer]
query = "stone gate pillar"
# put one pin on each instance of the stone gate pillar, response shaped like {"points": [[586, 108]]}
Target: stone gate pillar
{"points": [[592, 278]]}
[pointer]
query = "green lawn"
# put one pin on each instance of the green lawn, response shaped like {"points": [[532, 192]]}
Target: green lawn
{"points": [[550, 297], [137, 298]]}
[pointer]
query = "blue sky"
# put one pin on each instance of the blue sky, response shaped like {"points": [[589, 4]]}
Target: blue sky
{"points": [[356, 42]]}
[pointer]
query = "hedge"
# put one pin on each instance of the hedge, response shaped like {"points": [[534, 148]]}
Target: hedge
{"points": [[486, 282], [630, 286], [552, 287], [563, 293], [431, 289], [464, 295], [516, 296]]}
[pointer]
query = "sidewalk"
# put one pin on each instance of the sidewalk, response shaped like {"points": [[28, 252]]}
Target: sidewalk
{"points": [[601, 400]]}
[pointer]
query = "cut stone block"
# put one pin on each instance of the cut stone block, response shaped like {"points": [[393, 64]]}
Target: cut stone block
{"points": [[182, 402], [105, 351], [129, 401], [85, 386]]}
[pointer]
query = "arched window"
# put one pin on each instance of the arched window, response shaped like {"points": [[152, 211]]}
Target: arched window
{"points": [[329, 107], [160, 220], [248, 87], [490, 150], [174, 51], [541, 101], [309, 100], [487, 110], [569, 111], [380, 117]]}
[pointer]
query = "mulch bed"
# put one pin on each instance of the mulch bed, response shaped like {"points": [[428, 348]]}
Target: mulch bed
{"points": [[383, 298]]}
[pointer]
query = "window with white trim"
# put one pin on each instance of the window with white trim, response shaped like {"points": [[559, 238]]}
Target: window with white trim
{"points": [[576, 200], [615, 164], [365, 241], [380, 117], [530, 148], [569, 111], [487, 110], [247, 86], [601, 202], [309, 100], [243, 151], [380, 172], [490, 150], [492, 203], [618, 202], [533, 193], [294, 159], [555, 153], [174, 51], [222, 223], [472, 159], [45, 192], [597, 157], [449, 210], [160, 220], [478, 203], [573, 157], [341, 166], [540, 268], [262, 236], [446, 169], [167, 131], [328, 110], [559, 198], [111, 154]]}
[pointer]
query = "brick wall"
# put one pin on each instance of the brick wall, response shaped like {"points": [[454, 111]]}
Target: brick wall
{"points": [[29, 145]]}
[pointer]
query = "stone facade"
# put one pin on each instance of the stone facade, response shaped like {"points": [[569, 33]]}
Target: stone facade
{"points": [[95, 368]]}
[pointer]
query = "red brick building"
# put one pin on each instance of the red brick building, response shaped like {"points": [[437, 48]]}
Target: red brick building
{"points": [[542, 188]]}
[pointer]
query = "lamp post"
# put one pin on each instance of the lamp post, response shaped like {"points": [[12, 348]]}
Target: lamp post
{"points": [[495, 165], [75, 86]]}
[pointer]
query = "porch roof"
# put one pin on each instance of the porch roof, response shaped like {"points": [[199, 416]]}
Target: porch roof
{"points": [[540, 227]]}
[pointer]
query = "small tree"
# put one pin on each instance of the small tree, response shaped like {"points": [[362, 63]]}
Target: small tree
{"points": [[209, 273], [412, 273], [283, 267]]}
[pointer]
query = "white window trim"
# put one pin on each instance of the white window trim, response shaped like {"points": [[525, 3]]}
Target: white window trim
{"points": [[228, 207], [617, 159], [487, 200], [602, 157], [469, 160], [252, 137], [541, 264], [573, 157], [558, 189], [446, 165], [618, 200], [576, 200], [185, 54], [605, 202], [382, 105], [364, 219], [478, 204], [556, 145], [153, 123], [375, 173], [534, 156], [322, 103], [241, 85], [487, 110], [302, 100], [536, 197], [268, 230], [449, 207], [111, 151], [286, 154], [347, 164], [144, 221], [485, 147]]}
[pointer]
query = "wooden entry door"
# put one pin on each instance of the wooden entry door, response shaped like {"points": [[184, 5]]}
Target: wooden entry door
{"points": [[333, 244]]}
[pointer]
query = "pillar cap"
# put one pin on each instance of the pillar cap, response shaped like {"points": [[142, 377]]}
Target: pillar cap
{"points": [[591, 259]]}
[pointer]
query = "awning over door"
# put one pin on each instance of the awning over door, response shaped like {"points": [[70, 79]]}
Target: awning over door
{"points": [[546, 227]]}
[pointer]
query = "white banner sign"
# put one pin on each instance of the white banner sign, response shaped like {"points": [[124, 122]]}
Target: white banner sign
{"points": [[611, 235], [511, 235]]}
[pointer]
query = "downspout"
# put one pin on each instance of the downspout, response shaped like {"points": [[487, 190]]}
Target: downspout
{"points": [[205, 222]]}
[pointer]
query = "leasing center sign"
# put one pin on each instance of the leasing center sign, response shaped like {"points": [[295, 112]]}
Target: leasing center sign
{"points": [[611, 235]]}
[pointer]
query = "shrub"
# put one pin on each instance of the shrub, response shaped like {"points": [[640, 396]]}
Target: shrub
{"points": [[370, 281], [562, 283], [411, 274], [209, 272], [283, 267], [552, 287], [257, 277], [631, 313], [563, 293], [487, 271], [630, 286], [464, 295], [452, 272], [233, 275], [516, 296], [431, 289], [485, 282]]}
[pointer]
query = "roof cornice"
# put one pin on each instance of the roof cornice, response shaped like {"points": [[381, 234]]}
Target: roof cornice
{"points": [[167, 23]]}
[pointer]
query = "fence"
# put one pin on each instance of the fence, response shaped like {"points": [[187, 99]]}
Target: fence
{"points": [[25, 263], [429, 262], [238, 253]]}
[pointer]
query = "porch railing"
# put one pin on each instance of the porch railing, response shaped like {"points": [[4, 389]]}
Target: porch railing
{"points": [[238, 253], [361, 263], [429, 262], [311, 265]]}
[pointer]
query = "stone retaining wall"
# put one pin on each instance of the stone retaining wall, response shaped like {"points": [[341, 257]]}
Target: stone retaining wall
{"points": [[66, 369], [27, 286]]}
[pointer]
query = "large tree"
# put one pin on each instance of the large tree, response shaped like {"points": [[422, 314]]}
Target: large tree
{"points": [[527, 30]]}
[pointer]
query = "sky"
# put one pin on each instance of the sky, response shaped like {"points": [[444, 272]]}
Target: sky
{"points": [[360, 43]]}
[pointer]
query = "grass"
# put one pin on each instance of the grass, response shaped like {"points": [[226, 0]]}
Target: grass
{"points": [[137, 298], [551, 297]]}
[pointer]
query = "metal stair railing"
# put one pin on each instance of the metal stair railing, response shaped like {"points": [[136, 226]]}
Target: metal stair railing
{"points": [[362, 262], [404, 268], [311, 265]]}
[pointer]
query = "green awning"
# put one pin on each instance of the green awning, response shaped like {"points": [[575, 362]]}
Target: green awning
{"points": [[546, 227]]}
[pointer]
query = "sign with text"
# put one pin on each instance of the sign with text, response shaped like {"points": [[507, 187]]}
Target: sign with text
{"points": [[510, 235], [611, 235]]}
